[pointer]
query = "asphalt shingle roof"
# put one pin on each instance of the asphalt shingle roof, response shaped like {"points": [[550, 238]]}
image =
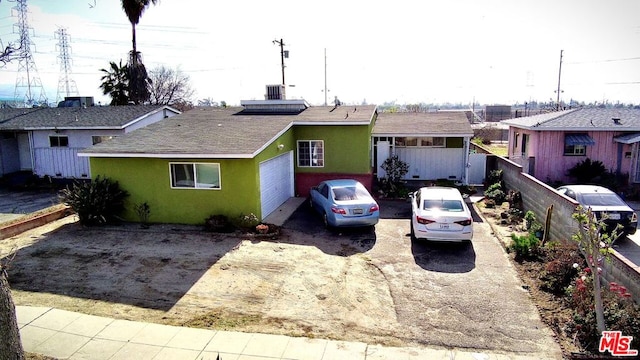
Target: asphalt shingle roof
{"points": [[445, 123], [109, 117], [583, 119], [223, 132]]}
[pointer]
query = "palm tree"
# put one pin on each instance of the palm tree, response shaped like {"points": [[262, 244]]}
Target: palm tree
{"points": [[134, 10], [115, 83], [139, 79]]}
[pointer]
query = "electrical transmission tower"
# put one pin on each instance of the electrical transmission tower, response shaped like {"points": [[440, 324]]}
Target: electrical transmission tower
{"points": [[66, 85], [27, 83]]}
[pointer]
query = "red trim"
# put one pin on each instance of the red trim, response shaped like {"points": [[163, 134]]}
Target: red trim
{"points": [[304, 181]]}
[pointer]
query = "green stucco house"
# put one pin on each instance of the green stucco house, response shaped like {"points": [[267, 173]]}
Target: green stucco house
{"points": [[236, 160]]}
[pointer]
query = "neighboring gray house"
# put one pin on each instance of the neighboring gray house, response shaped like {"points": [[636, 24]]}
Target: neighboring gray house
{"points": [[46, 141]]}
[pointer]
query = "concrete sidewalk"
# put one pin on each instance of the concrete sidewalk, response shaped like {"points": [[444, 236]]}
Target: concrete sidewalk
{"points": [[69, 335]]}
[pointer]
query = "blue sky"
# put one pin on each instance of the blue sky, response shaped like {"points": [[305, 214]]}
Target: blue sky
{"points": [[403, 51]]}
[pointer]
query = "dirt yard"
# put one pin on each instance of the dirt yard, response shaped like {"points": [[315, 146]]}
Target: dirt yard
{"points": [[183, 276], [374, 287]]}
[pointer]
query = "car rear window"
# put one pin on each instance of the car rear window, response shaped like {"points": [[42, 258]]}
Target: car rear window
{"points": [[349, 193], [444, 205], [602, 200]]}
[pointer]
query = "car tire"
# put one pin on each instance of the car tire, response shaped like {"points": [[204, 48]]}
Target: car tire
{"points": [[325, 221], [413, 234]]}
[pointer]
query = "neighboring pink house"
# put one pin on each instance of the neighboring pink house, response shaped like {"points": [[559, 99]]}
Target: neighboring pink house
{"points": [[548, 145]]}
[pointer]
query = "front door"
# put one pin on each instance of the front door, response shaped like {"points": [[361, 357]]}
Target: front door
{"points": [[24, 151], [383, 153]]}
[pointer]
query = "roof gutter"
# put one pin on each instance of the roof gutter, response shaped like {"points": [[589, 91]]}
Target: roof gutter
{"points": [[166, 156]]}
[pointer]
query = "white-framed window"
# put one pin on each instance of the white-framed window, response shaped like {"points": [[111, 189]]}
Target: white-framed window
{"points": [[425, 141], [99, 139], [59, 141], [575, 144], [195, 175], [310, 153], [575, 150]]}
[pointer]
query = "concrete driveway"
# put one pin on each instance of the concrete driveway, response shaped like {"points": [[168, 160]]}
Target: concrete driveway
{"points": [[16, 203], [452, 295]]}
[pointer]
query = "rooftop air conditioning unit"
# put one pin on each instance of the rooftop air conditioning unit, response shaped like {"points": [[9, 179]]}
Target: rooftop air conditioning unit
{"points": [[275, 92]]}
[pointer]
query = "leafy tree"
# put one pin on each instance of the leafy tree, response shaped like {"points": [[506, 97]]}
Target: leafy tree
{"points": [[395, 168], [169, 86], [594, 244], [115, 83], [8, 53], [207, 102]]}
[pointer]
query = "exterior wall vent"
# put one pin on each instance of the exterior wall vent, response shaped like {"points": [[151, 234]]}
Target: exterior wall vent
{"points": [[275, 92]]}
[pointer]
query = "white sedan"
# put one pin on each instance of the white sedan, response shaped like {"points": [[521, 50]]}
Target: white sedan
{"points": [[440, 214]]}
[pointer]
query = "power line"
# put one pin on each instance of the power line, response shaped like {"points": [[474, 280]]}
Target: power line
{"points": [[603, 61]]}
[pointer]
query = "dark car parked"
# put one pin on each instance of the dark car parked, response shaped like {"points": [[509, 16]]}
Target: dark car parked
{"points": [[605, 204]]}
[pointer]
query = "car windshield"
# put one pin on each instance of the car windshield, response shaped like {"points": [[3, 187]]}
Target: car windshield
{"points": [[602, 200], [444, 205], [350, 193]]}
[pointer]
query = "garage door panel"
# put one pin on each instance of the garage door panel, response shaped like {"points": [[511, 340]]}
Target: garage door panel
{"points": [[276, 182]]}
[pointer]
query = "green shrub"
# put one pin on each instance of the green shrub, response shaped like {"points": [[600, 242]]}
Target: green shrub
{"points": [[621, 313], [395, 168], [586, 171], [559, 270], [247, 221], [143, 211], [495, 176], [525, 246], [218, 224], [495, 193], [96, 202], [529, 218]]}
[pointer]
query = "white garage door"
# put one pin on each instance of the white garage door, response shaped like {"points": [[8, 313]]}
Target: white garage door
{"points": [[276, 182]]}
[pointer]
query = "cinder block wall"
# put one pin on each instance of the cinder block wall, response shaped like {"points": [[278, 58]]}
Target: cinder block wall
{"points": [[538, 196]]}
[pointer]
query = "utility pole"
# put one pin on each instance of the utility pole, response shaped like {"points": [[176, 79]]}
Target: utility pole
{"points": [[325, 76], [283, 54], [559, 76]]}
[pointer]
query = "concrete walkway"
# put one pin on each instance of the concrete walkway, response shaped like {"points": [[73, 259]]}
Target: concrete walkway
{"points": [[69, 335]]}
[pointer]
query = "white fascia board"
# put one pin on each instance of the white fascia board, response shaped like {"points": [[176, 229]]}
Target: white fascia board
{"points": [[582, 129], [72, 128], [316, 123], [166, 156], [273, 139], [149, 114], [420, 135]]}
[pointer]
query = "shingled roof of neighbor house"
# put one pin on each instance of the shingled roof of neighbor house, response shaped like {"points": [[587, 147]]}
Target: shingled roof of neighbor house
{"points": [[582, 119], [441, 124], [93, 117], [207, 132]]}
